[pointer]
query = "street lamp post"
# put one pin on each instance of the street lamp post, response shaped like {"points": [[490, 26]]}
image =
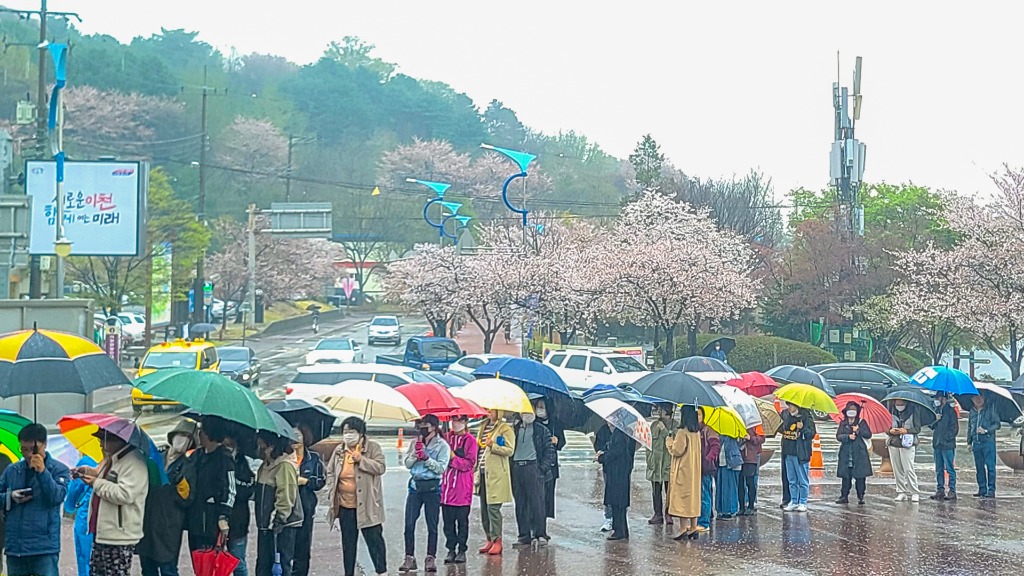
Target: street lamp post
{"points": [[439, 188], [55, 125], [522, 159]]}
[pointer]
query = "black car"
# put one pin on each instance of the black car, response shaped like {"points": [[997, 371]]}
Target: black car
{"points": [[240, 364], [875, 380]]}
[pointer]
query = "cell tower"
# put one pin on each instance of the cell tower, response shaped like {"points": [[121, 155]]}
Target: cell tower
{"points": [[846, 160]]}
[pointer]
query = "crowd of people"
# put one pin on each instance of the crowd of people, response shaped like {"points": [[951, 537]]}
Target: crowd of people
{"points": [[214, 491]]}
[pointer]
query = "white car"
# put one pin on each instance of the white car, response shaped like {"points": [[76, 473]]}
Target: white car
{"points": [[465, 366], [384, 329], [335, 351], [133, 328], [583, 369], [312, 380]]}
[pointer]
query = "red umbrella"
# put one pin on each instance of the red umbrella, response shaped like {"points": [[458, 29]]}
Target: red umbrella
{"points": [[213, 562], [877, 416], [466, 408], [429, 397], [754, 383]]}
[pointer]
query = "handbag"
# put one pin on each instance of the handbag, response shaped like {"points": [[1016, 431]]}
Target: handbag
{"points": [[908, 440], [427, 485]]}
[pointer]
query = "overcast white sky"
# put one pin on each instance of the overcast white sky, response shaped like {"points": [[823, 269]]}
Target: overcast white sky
{"points": [[723, 86]]}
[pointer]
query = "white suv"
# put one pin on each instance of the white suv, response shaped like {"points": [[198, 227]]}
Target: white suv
{"points": [[584, 369]]}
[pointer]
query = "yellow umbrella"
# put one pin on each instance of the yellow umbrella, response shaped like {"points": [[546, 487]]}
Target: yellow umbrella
{"points": [[495, 394], [807, 396], [725, 420]]}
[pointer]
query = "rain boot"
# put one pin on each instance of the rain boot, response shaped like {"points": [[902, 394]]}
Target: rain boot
{"points": [[496, 548], [951, 495], [450, 558], [486, 547]]}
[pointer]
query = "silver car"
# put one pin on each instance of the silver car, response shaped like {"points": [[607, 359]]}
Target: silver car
{"points": [[384, 329]]}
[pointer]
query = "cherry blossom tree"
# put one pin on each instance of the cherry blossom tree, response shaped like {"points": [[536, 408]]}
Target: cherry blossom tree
{"points": [[101, 122], [430, 279], [253, 145]]}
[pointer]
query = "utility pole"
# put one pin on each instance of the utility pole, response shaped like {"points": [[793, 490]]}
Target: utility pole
{"points": [[198, 293], [288, 174], [250, 292], [42, 138], [846, 159]]}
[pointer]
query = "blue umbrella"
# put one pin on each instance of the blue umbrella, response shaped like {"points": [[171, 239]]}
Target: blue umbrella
{"points": [[943, 379], [625, 394], [530, 375]]}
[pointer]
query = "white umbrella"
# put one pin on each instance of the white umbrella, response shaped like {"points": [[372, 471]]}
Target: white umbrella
{"points": [[369, 400], [742, 402], [714, 377], [624, 417]]}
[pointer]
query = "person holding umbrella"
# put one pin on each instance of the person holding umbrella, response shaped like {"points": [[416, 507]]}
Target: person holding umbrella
{"points": [[618, 467], [945, 429], [854, 460], [751, 451], [355, 497], [457, 489], [906, 426], [540, 408], [797, 436], [684, 493], [982, 425], [311, 480], [33, 489], [495, 480], [278, 510], [710, 448], [214, 487], [659, 462], [166, 505]]}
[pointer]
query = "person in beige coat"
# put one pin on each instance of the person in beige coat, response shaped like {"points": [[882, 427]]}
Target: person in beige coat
{"points": [[494, 477], [355, 498], [684, 483]]}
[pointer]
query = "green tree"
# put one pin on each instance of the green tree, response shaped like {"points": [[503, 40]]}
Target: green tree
{"points": [[647, 161], [109, 65], [503, 125], [355, 53]]}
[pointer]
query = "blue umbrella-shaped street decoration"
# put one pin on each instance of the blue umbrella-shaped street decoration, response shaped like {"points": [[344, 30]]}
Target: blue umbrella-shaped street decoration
{"points": [[522, 159], [943, 379], [439, 188], [461, 223]]}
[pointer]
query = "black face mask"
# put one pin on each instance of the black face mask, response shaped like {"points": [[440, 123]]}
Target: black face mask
{"points": [[424, 432]]}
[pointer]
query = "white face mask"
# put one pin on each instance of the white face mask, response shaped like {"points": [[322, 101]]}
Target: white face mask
{"points": [[901, 408], [937, 402], [350, 438], [458, 426], [542, 413], [851, 413], [529, 418], [179, 444]]}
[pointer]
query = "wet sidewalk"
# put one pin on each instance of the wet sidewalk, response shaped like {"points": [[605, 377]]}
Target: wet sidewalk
{"points": [[471, 339]]}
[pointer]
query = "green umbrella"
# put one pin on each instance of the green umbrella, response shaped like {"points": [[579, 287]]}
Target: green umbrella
{"points": [[11, 424], [209, 394]]}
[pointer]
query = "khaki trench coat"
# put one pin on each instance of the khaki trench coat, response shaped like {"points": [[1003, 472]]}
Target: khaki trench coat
{"points": [[495, 465], [369, 494], [684, 486]]}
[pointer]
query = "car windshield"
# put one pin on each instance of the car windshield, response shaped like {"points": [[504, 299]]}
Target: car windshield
{"points": [[126, 318], [170, 360], [440, 349], [625, 364], [418, 376], [896, 376], [385, 322], [334, 345], [233, 354]]}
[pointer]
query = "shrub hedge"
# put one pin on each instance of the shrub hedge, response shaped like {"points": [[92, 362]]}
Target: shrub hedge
{"points": [[760, 353]]}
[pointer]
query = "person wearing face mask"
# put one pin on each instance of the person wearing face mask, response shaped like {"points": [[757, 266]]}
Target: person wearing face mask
{"points": [[215, 487], [618, 466], [982, 424], [945, 429], [659, 462], [427, 458], [902, 445], [278, 510], [751, 450], [540, 408], [531, 467], [494, 478], [457, 490], [355, 497], [854, 460], [311, 480], [797, 436], [164, 519], [241, 515], [684, 496]]}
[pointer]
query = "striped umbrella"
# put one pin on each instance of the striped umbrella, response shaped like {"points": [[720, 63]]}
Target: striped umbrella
{"points": [[46, 361], [80, 430], [11, 424]]}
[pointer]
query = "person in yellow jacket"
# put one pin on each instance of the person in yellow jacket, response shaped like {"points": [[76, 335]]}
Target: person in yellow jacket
{"points": [[498, 443]]}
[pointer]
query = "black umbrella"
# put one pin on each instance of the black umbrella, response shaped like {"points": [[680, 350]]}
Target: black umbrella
{"points": [[914, 395], [679, 388], [1002, 398], [698, 364], [727, 345], [202, 328], [316, 416], [788, 374]]}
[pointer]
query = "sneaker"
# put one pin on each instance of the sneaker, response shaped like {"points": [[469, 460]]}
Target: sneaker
{"points": [[607, 526], [801, 508], [900, 498], [409, 565], [791, 507], [703, 529], [860, 501], [951, 495], [784, 505], [656, 520], [939, 495], [990, 495], [726, 517], [915, 498], [460, 558], [843, 500], [450, 558], [430, 565], [752, 511]]}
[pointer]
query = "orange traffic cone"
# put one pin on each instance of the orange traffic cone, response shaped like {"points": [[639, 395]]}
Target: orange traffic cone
{"points": [[400, 438], [817, 463]]}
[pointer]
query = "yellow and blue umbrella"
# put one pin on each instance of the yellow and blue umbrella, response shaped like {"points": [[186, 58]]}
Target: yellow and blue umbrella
{"points": [[46, 361]]}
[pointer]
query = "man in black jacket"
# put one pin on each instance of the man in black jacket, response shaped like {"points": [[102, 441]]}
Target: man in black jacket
{"points": [[209, 516], [241, 512], [946, 427], [531, 467]]}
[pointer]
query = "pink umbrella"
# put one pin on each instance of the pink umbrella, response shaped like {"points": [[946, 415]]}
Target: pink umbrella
{"points": [[754, 383], [873, 412]]}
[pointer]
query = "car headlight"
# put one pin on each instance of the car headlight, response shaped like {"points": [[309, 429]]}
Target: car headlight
{"points": [[246, 376], [426, 366]]}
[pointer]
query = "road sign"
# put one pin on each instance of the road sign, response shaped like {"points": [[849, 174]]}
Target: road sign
{"points": [[301, 219], [207, 293], [981, 361], [245, 307]]}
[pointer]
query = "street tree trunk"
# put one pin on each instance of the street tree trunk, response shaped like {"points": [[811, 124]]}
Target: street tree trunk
{"points": [[691, 339], [440, 328], [668, 354]]}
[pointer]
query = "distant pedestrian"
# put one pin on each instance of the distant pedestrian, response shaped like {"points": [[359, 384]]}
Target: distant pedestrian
{"points": [[730, 463], [902, 443], [601, 438], [355, 497], [311, 480], [495, 481], [710, 448], [457, 490], [76, 502], [544, 416], [426, 458], [278, 511], [982, 425], [684, 492], [33, 490], [618, 465], [750, 448], [718, 353], [119, 487], [531, 467], [854, 465], [659, 462], [164, 521], [945, 429], [241, 513], [797, 436], [214, 499]]}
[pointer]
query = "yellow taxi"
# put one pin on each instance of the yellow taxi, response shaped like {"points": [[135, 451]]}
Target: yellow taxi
{"points": [[196, 355]]}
